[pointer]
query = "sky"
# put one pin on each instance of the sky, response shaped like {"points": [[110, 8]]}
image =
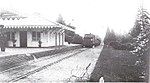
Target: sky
{"points": [[88, 16]]}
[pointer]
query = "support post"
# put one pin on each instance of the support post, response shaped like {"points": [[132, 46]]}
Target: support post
{"points": [[2, 39]]}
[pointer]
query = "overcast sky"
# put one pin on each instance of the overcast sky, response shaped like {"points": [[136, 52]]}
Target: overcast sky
{"points": [[89, 16]]}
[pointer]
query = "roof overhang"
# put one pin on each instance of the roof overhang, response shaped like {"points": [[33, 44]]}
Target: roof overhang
{"points": [[29, 26], [65, 27]]}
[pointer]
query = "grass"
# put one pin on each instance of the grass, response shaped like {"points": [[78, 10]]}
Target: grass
{"points": [[116, 66]]}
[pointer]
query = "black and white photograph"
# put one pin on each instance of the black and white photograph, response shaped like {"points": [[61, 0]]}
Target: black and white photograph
{"points": [[74, 41]]}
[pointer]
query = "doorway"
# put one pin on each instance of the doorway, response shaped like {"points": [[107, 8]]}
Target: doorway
{"points": [[23, 38]]}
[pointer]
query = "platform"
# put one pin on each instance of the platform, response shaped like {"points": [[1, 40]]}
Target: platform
{"points": [[14, 51]]}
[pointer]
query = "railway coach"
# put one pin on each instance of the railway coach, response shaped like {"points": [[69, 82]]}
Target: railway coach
{"points": [[90, 40]]}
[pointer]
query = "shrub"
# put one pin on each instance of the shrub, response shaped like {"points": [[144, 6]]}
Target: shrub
{"points": [[127, 38], [115, 44], [119, 46]]}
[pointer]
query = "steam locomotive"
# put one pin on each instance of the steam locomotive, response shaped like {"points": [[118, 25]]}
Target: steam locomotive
{"points": [[90, 40]]}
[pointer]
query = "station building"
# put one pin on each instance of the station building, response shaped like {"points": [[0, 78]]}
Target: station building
{"points": [[22, 31]]}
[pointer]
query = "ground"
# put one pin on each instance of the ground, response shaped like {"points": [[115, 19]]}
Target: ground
{"points": [[64, 70], [60, 67]]}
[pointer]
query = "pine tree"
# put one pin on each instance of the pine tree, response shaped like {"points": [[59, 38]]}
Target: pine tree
{"points": [[110, 36], [60, 20], [140, 32]]}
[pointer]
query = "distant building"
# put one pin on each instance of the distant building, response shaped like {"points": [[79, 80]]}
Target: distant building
{"points": [[31, 31]]}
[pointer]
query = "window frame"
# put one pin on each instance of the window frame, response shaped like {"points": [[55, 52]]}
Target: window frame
{"points": [[36, 36], [10, 36]]}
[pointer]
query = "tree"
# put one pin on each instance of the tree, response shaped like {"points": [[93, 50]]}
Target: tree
{"points": [[140, 32], [142, 39], [126, 38], [60, 20], [136, 29], [69, 36], [109, 37]]}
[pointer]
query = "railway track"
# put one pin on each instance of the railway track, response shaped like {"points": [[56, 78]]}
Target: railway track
{"points": [[32, 62], [40, 68]]}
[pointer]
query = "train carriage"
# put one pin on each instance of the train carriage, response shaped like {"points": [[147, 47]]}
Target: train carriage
{"points": [[90, 40]]}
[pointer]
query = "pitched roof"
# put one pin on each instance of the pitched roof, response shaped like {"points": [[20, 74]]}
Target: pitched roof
{"points": [[8, 18], [13, 20]]}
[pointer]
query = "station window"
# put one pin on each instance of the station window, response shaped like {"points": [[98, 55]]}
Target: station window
{"points": [[10, 35], [36, 36]]}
